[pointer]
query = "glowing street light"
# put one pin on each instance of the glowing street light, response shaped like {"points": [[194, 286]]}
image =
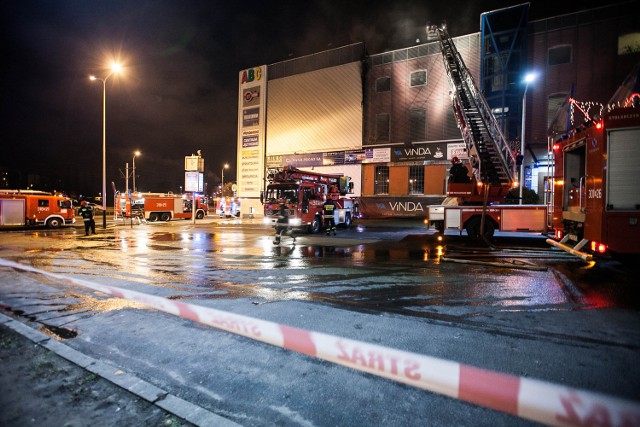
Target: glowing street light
{"points": [[135, 154], [530, 77], [115, 68], [226, 166]]}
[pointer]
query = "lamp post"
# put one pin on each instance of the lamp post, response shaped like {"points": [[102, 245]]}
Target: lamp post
{"points": [[527, 79], [226, 166], [115, 68], [135, 154]]}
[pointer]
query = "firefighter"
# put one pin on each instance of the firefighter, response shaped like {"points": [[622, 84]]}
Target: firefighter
{"points": [[86, 212], [282, 225], [328, 211], [458, 171]]}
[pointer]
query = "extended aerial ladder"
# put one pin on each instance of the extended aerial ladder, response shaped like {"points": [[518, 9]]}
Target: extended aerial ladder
{"points": [[480, 130]]}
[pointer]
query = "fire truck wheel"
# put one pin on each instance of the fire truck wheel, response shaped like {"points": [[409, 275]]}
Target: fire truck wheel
{"points": [[165, 216], [54, 223], [347, 220], [199, 215], [314, 228], [473, 228], [153, 217]]}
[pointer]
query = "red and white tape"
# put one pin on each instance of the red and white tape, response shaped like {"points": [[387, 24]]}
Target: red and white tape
{"points": [[540, 401]]}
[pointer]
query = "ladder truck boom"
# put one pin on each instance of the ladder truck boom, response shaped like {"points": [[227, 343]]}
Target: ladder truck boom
{"points": [[496, 162], [480, 130]]}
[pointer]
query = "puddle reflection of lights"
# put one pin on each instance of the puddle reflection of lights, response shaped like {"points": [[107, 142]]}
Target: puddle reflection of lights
{"points": [[279, 295]]}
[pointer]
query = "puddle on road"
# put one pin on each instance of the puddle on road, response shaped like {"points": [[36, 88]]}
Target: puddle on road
{"points": [[181, 237]]}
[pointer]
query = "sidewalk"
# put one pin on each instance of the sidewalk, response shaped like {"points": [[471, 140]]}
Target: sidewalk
{"points": [[47, 383]]}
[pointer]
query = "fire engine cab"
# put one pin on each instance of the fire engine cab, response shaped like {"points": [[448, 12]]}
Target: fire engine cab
{"points": [[303, 193], [596, 196]]}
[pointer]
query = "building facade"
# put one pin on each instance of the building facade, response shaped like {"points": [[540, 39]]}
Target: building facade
{"points": [[387, 121]]}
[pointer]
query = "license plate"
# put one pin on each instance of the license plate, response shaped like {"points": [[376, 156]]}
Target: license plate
{"points": [[573, 237]]}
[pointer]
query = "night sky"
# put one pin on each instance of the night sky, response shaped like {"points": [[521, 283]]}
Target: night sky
{"points": [[178, 92]]}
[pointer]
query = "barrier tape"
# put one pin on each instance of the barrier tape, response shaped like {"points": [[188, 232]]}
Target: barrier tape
{"points": [[535, 400]]}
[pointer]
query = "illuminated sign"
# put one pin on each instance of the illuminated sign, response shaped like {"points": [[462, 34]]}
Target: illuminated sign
{"points": [[251, 75]]}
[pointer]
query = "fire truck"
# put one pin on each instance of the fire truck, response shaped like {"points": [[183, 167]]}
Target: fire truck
{"points": [[161, 207], [596, 196], [303, 193], [227, 207], [474, 205], [31, 207]]}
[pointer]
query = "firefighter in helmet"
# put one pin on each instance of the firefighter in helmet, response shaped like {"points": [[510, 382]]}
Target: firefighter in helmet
{"points": [[328, 212], [282, 225], [86, 212], [458, 171]]}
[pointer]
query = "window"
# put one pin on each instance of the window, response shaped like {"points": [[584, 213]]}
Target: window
{"points": [[416, 180], [559, 55], [383, 84], [43, 203], [382, 127], [417, 125], [556, 119], [418, 78], [381, 185], [629, 43]]}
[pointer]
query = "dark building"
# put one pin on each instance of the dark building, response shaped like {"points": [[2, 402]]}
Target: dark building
{"points": [[406, 105]]}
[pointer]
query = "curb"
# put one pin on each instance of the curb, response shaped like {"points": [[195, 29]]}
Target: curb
{"points": [[156, 396]]}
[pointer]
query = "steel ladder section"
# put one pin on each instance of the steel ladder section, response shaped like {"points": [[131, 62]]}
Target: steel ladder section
{"points": [[479, 127]]}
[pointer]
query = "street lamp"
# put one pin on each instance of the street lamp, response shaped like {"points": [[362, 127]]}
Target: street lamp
{"points": [[226, 166], [530, 77], [135, 154], [115, 68]]}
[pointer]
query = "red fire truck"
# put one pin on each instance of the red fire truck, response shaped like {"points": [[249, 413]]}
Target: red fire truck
{"points": [[596, 196], [471, 205], [303, 193], [161, 207], [31, 207]]}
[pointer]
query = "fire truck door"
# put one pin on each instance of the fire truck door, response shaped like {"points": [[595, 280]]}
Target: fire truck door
{"points": [[574, 196]]}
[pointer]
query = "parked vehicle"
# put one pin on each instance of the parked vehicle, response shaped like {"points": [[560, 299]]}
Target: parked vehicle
{"points": [[596, 197], [161, 207], [30, 207], [303, 194], [474, 205]]}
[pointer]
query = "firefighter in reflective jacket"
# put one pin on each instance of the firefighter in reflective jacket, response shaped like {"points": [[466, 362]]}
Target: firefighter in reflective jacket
{"points": [[328, 211], [86, 212]]}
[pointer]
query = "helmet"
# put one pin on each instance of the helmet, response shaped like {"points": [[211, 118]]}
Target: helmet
{"points": [[83, 203], [454, 159]]}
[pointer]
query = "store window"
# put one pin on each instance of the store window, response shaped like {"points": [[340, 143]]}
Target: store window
{"points": [[559, 55], [381, 185], [383, 84], [418, 78], [382, 127], [416, 180]]}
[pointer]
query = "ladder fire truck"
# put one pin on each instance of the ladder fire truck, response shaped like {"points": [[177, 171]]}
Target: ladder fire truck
{"points": [[467, 204], [161, 207], [303, 193], [32, 207], [596, 196]]}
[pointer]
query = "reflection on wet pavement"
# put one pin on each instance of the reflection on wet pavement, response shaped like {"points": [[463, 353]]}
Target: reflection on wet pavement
{"points": [[406, 276]]}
